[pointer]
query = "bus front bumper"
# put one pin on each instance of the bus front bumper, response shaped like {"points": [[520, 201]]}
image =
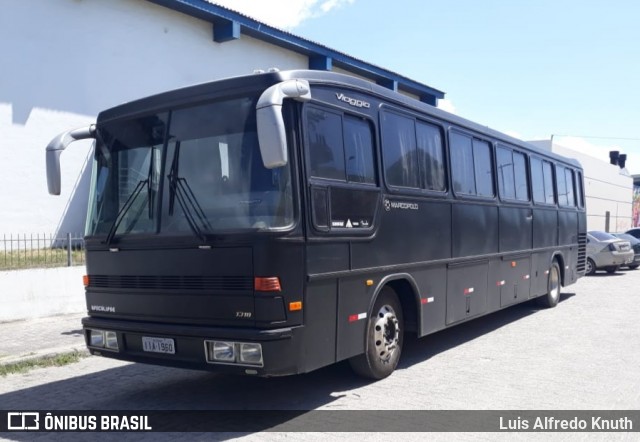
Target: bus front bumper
{"points": [[220, 349]]}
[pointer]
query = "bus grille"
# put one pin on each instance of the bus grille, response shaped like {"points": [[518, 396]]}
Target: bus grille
{"points": [[582, 252], [231, 283]]}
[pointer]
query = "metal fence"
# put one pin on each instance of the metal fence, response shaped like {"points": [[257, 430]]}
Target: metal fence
{"points": [[24, 251]]}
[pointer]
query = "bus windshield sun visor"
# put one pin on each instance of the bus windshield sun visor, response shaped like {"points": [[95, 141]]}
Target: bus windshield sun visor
{"points": [[271, 134]]}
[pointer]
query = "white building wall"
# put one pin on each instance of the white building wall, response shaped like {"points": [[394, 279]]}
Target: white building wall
{"points": [[36, 293], [65, 60], [607, 189]]}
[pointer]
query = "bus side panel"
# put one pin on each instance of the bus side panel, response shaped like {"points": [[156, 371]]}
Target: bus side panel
{"points": [[320, 306], [354, 299], [427, 223], [510, 280], [466, 290], [545, 230], [284, 260], [568, 225], [540, 263], [567, 228], [475, 230], [327, 257], [432, 284], [515, 228]]}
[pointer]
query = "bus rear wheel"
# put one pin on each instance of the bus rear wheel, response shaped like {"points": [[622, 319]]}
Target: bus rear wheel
{"points": [[553, 287], [384, 337]]}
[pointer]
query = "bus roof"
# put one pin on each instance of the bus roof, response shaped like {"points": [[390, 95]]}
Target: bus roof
{"points": [[206, 91]]}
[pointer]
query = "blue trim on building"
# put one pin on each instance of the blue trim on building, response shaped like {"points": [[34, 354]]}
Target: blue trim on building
{"points": [[233, 24], [320, 62], [388, 83], [226, 30]]}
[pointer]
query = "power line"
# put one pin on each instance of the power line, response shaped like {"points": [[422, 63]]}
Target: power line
{"points": [[595, 137]]}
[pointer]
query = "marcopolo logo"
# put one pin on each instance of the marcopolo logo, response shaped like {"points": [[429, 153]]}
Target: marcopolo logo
{"points": [[401, 205], [352, 101]]}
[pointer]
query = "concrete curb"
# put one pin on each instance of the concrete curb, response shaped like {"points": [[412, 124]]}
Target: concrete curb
{"points": [[43, 354]]}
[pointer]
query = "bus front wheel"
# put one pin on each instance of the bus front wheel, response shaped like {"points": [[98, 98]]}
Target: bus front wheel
{"points": [[384, 337], [553, 287]]}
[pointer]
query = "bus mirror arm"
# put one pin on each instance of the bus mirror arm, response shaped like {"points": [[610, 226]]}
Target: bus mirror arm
{"points": [[271, 134], [55, 148]]}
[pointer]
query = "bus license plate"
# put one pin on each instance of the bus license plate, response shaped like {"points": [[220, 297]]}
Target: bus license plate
{"points": [[158, 345]]}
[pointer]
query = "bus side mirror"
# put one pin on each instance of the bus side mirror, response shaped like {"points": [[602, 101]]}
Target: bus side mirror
{"points": [[271, 134], [55, 148]]}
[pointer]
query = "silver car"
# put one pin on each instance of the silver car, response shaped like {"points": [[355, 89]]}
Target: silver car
{"points": [[606, 252]]}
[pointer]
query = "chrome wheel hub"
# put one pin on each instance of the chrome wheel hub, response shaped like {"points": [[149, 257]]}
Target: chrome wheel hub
{"points": [[554, 283], [386, 333]]}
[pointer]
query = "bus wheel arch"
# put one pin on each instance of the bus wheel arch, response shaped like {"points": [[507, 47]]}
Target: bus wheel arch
{"points": [[558, 258], [392, 309], [407, 291], [554, 285]]}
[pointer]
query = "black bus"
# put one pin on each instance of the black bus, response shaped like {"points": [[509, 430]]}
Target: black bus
{"points": [[276, 223]]}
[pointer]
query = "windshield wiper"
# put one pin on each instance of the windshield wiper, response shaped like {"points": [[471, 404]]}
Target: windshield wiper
{"points": [[180, 189], [125, 208]]}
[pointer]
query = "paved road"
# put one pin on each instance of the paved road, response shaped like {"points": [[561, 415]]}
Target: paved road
{"points": [[584, 354]]}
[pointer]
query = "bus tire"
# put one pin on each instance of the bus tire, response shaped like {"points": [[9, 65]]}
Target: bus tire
{"points": [[553, 287], [384, 338]]}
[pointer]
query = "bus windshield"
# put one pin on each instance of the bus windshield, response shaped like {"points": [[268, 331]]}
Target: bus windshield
{"points": [[187, 171]]}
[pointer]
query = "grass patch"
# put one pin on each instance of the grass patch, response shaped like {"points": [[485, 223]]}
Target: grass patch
{"points": [[38, 258], [47, 361]]}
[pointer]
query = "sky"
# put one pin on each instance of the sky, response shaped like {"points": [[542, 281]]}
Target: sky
{"points": [[529, 68]]}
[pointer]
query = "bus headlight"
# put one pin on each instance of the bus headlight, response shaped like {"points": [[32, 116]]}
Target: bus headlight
{"points": [[111, 340], [251, 353], [96, 338], [223, 351], [234, 353]]}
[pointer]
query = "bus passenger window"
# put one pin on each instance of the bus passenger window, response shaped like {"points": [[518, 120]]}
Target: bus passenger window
{"points": [[571, 198], [471, 165], [483, 168], [462, 170], [579, 191], [358, 145], [537, 180], [512, 174], [326, 149], [506, 180], [431, 157], [549, 195], [562, 186], [400, 155], [520, 175]]}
